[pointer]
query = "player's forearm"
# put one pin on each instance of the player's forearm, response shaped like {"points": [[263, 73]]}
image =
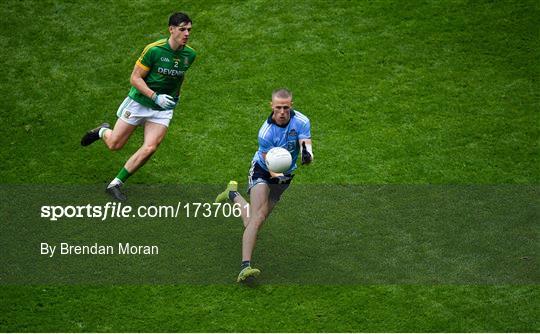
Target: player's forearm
{"points": [[272, 174], [307, 151], [142, 87], [309, 147]]}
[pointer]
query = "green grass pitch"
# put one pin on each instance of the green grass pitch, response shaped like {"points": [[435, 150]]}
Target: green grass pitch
{"points": [[412, 93]]}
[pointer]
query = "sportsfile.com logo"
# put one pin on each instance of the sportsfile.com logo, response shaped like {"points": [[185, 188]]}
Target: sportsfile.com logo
{"points": [[113, 210]]}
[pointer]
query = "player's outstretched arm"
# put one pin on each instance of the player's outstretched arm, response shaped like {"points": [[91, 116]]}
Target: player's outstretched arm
{"points": [[307, 151]]}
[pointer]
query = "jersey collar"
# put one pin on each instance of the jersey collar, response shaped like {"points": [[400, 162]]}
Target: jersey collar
{"points": [[271, 121]]}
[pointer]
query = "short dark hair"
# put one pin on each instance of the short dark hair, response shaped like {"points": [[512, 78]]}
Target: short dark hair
{"points": [[178, 18], [282, 93]]}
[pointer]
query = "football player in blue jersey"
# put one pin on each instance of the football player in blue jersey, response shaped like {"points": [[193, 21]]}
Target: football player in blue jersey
{"points": [[287, 128]]}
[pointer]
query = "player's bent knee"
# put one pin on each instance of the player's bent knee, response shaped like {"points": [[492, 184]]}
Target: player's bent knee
{"points": [[257, 220], [254, 224], [149, 149], [114, 145]]}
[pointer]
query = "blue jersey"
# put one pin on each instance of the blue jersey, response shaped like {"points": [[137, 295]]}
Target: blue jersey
{"points": [[286, 136]]}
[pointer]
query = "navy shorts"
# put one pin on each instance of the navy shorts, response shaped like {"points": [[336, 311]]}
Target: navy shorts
{"points": [[257, 175]]}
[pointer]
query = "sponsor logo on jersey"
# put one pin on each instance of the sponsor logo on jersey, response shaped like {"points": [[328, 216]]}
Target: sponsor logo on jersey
{"points": [[169, 72]]}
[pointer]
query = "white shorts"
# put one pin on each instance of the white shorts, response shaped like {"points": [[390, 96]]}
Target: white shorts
{"points": [[134, 113]]}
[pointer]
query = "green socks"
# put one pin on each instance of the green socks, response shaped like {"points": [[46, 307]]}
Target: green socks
{"points": [[123, 175], [119, 180]]}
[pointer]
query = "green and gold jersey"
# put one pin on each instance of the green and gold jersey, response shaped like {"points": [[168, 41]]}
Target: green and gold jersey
{"points": [[166, 69]]}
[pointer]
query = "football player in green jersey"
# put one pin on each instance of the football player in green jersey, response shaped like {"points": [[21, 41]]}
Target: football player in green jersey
{"points": [[156, 80]]}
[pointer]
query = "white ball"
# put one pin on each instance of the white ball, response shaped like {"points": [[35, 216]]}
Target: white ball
{"points": [[278, 160]]}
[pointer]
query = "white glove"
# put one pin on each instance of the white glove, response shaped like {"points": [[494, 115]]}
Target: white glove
{"points": [[164, 101]]}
